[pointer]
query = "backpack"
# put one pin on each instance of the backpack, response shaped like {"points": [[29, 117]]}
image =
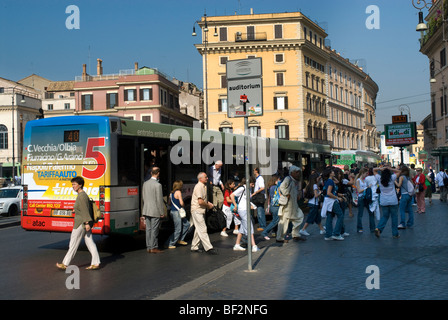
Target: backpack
{"points": [[237, 201], [276, 197], [215, 220], [309, 194], [94, 211], [410, 188], [445, 179], [368, 196]]}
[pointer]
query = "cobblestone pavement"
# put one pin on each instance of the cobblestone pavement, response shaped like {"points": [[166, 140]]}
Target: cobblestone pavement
{"points": [[415, 266]]}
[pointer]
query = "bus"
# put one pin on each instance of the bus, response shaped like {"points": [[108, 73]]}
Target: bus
{"points": [[113, 155], [360, 157]]}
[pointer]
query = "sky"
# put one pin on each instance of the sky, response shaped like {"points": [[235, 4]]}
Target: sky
{"points": [[35, 39]]}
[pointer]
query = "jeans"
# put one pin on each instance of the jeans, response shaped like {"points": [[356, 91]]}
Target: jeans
{"points": [[361, 205], [337, 211], [181, 226], [274, 221], [392, 212], [261, 217], [406, 205], [313, 215]]}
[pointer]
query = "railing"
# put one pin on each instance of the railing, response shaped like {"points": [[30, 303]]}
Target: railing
{"points": [[255, 36]]}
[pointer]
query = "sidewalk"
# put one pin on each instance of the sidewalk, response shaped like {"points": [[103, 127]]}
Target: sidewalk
{"points": [[415, 266]]}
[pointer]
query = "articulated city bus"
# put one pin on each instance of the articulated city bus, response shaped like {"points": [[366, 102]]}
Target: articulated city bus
{"points": [[114, 154]]}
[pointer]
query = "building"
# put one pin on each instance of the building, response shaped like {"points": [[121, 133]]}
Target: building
{"points": [[433, 45], [144, 94], [191, 100], [18, 104], [310, 93], [59, 99]]}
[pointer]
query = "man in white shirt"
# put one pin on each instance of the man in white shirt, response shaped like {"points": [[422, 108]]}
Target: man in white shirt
{"points": [[442, 187], [259, 189], [217, 185]]}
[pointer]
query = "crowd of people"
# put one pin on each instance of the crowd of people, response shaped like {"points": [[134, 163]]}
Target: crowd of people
{"points": [[384, 192]]}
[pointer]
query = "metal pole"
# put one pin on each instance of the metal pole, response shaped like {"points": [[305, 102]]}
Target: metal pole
{"points": [[248, 208], [13, 147]]}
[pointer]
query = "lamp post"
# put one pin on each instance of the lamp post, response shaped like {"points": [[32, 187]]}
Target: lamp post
{"points": [[13, 135], [205, 41]]}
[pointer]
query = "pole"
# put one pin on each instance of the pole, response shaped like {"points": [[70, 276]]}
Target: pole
{"points": [[401, 154], [248, 208], [13, 140]]}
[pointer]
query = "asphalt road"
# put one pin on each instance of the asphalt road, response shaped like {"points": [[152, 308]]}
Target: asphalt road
{"points": [[27, 267]]}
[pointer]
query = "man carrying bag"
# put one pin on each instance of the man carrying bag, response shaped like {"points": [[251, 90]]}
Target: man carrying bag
{"points": [[290, 211]]}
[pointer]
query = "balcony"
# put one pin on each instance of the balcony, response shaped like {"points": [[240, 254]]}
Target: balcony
{"points": [[255, 36]]}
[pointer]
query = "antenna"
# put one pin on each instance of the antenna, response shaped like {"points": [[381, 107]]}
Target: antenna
{"points": [[88, 59]]}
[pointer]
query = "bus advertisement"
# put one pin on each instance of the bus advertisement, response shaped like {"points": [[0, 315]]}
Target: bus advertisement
{"points": [[53, 154]]}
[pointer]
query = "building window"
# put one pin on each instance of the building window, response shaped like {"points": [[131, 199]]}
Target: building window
{"points": [[49, 107], [255, 131], [146, 94], [130, 95], [222, 105], [282, 132], [66, 106], [223, 34], [147, 118], [278, 31], [111, 100], [281, 103], [223, 60], [280, 80], [226, 129], [442, 58], [87, 102], [223, 81], [279, 58], [3, 137], [250, 33]]}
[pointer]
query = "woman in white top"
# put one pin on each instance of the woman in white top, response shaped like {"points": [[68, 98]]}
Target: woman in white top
{"points": [[238, 198], [361, 186], [388, 199], [312, 190]]}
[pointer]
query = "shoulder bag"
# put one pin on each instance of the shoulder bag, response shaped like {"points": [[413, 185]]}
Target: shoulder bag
{"points": [[182, 212]]}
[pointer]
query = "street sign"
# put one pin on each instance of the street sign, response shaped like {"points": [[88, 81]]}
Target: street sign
{"points": [[400, 119], [244, 88], [401, 134]]}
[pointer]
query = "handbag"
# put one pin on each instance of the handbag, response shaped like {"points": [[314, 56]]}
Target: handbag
{"points": [[182, 212]]}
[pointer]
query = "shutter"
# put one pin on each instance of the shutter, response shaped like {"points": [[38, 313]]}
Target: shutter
{"points": [[108, 101], [286, 102], [276, 132], [219, 105], [287, 132], [275, 103], [125, 95]]}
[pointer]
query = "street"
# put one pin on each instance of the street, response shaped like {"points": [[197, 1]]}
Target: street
{"points": [[362, 267]]}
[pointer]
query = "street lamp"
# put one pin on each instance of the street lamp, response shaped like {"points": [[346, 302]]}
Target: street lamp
{"points": [[13, 139], [205, 41]]}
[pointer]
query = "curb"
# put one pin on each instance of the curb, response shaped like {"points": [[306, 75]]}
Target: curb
{"points": [[6, 222]]}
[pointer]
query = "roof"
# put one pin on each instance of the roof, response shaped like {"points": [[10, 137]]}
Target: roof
{"points": [[61, 86]]}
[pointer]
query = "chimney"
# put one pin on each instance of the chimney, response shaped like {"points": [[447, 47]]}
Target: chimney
{"points": [[251, 10], [99, 67], [84, 72], [136, 66]]}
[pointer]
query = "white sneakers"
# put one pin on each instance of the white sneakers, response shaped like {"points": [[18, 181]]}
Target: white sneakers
{"points": [[237, 247], [224, 234]]}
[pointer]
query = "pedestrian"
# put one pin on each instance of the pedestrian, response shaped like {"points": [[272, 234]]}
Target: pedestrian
{"points": [[361, 187], [181, 224], [290, 212], [349, 176], [199, 205], [82, 228], [428, 183], [228, 189], [331, 206], [405, 203], [312, 193], [217, 185], [374, 206], [441, 175], [258, 198], [153, 210], [273, 205], [239, 199], [388, 199], [420, 184]]}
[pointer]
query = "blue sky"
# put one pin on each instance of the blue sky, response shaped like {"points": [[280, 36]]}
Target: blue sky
{"points": [[34, 39]]}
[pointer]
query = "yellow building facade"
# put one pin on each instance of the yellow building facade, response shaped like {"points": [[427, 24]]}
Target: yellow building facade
{"points": [[295, 64]]}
